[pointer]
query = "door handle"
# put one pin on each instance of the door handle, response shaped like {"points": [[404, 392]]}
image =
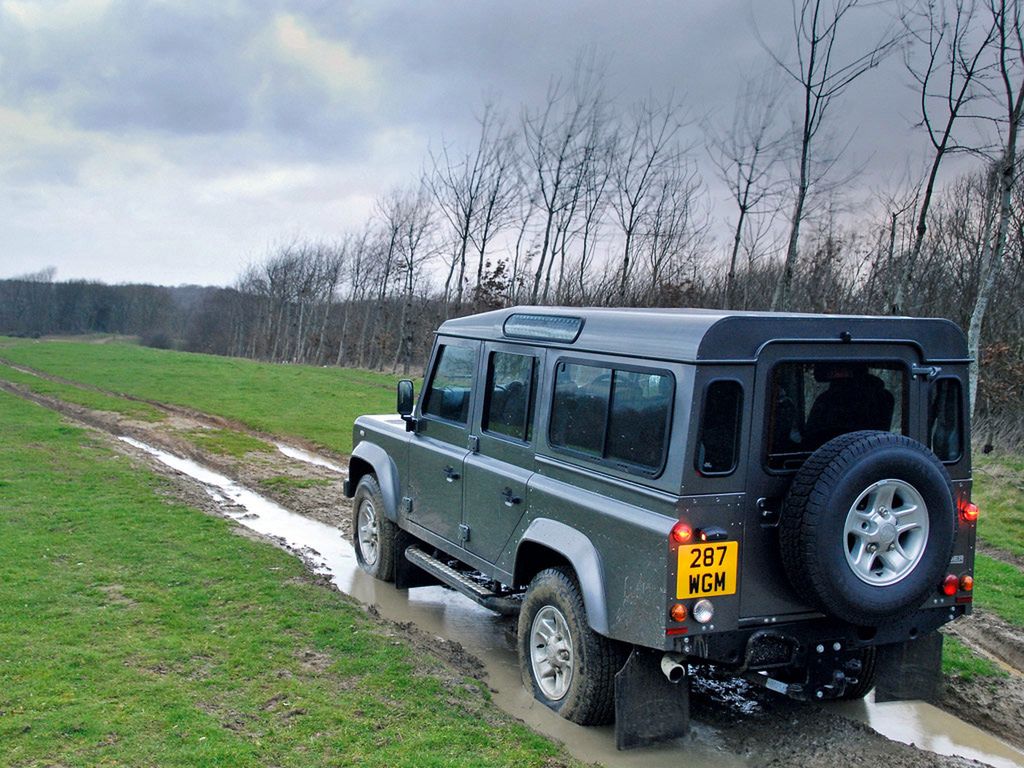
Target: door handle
{"points": [[510, 498], [450, 474]]}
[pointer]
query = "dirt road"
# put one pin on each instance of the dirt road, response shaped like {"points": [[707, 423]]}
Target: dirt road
{"points": [[734, 724]]}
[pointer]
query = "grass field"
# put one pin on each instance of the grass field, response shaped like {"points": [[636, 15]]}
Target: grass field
{"points": [[84, 397], [318, 404], [137, 631], [999, 491]]}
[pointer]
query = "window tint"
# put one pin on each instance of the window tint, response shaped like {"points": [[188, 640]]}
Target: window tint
{"points": [[448, 395], [813, 402], [719, 438], [613, 415], [580, 409], [510, 386], [945, 419]]}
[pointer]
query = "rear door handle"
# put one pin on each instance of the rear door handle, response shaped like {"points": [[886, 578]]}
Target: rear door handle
{"points": [[510, 498], [450, 474]]}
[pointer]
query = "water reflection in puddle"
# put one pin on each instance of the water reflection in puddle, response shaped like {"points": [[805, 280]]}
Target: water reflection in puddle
{"points": [[443, 613], [310, 458], [928, 727]]}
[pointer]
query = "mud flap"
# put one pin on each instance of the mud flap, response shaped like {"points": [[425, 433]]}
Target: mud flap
{"points": [[648, 708], [910, 670], [408, 575]]}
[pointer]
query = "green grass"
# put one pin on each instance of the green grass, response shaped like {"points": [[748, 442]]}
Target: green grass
{"points": [[999, 588], [228, 442], [318, 404], [286, 482], [87, 398], [137, 631], [959, 660], [999, 492]]}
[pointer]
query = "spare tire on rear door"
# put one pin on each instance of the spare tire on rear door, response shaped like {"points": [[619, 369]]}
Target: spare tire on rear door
{"points": [[867, 527]]}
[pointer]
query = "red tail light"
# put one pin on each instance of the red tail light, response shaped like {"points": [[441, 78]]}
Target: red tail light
{"points": [[969, 512], [950, 584], [682, 533]]}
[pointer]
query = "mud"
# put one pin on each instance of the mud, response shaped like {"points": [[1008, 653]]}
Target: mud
{"points": [[994, 637], [733, 724]]}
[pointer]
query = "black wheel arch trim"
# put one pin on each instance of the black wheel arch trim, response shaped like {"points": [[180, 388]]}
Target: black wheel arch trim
{"points": [[370, 457]]}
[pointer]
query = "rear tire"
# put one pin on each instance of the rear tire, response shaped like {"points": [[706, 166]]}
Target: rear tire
{"points": [[373, 535], [565, 664]]}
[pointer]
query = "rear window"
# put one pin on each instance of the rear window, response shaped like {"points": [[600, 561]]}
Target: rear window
{"points": [[813, 402], [616, 416], [718, 442], [945, 420]]}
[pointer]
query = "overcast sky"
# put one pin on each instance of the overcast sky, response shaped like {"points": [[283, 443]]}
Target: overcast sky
{"points": [[172, 142]]}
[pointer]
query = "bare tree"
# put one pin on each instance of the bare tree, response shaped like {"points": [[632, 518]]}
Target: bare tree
{"points": [[821, 79], [948, 82], [457, 185], [555, 140], [745, 152], [647, 151], [412, 213], [1009, 95]]}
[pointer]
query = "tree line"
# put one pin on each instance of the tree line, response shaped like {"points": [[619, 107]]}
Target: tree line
{"points": [[577, 201]]}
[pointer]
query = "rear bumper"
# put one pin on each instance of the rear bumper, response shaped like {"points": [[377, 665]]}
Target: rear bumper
{"points": [[786, 644]]}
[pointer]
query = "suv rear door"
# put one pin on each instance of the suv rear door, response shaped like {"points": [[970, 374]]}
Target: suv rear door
{"points": [[804, 395]]}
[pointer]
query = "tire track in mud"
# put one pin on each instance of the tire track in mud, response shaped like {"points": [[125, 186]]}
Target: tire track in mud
{"points": [[773, 731], [207, 420]]}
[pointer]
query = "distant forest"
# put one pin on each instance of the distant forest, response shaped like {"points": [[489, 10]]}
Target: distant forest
{"points": [[574, 201]]}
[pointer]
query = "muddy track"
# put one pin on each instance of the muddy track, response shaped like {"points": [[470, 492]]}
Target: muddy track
{"points": [[756, 727]]}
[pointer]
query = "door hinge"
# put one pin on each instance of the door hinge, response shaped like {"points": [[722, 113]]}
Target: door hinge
{"points": [[463, 532], [406, 505], [474, 443], [929, 372]]}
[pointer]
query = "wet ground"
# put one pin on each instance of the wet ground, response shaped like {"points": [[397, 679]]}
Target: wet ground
{"points": [[733, 723]]}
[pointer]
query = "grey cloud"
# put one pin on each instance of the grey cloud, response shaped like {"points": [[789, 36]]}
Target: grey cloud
{"points": [[183, 71]]}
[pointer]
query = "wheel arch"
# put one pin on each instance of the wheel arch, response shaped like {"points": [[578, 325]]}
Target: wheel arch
{"points": [[369, 458], [548, 543]]}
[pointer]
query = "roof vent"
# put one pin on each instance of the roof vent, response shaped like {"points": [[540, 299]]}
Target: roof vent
{"points": [[543, 327]]}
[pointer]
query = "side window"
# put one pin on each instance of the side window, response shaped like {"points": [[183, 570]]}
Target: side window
{"points": [[718, 441], [510, 393], [945, 419], [813, 402], [447, 396], [617, 416], [580, 408], [638, 422]]}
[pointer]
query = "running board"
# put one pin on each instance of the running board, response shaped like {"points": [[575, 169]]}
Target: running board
{"points": [[506, 605]]}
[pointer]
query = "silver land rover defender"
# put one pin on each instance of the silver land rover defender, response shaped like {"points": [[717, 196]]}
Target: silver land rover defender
{"points": [[783, 496]]}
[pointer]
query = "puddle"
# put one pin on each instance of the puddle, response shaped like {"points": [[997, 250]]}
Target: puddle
{"points": [[443, 613], [928, 727], [309, 458]]}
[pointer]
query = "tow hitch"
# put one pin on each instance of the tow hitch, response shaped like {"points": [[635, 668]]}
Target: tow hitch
{"points": [[829, 668]]}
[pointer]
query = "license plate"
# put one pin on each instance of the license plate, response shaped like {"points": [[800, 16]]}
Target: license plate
{"points": [[706, 570]]}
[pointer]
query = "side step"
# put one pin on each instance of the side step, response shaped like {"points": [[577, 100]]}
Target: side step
{"points": [[506, 605]]}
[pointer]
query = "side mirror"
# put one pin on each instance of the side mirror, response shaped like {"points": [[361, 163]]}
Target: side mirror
{"points": [[406, 403]]}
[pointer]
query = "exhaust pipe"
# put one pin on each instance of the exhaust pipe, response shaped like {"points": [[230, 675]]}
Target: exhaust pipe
{"points": [[673, 665]]}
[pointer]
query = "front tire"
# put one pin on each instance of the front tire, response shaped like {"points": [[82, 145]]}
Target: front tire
{"points": [[373, 535], [565, 664]]}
